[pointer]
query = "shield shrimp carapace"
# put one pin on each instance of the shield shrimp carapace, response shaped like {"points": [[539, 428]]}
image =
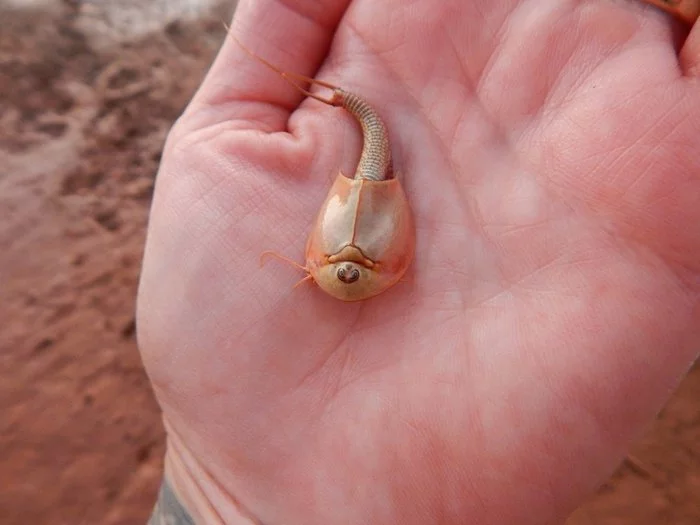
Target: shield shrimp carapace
{"points": [[363, 240]]}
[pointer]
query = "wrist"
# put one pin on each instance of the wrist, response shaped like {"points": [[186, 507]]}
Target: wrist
{"points": [[188, 496], [168, 508]]}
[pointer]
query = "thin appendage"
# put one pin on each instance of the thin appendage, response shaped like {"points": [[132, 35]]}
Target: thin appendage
{"points": [[335, 100], [265, 254], [289, 76], [375, 160], [305, 279]]}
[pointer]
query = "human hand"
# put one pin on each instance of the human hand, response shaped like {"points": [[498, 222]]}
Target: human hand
{"points": [[548, 151]]}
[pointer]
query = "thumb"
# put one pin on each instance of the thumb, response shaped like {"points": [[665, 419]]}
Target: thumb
{"points": [[295, 35], [690, 52], [685, 10]]}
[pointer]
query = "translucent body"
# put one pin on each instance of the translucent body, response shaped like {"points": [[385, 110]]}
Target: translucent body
{"points": [[363, 240], [363, 225]]}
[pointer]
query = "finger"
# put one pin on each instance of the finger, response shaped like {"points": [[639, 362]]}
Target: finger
{"points": [[685, 10], [690, 53], [293, 34]]}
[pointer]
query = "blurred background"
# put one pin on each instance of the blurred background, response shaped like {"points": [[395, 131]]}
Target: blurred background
{"points": [[88, 92]]}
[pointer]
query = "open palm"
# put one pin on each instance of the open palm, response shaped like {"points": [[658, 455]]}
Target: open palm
{"points": [[547, 150]]}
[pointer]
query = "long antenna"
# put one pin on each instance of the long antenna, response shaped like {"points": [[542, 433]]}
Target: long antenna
{"points": [[291, 78]]}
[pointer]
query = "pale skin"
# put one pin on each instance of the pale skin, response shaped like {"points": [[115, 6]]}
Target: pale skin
{"points": [[549, 153]]}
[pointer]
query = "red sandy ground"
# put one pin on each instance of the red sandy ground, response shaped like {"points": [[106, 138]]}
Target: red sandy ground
{"points": [[80, 137]]}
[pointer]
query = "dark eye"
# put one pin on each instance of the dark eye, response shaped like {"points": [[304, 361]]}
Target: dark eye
{"points": [[348, 273]]}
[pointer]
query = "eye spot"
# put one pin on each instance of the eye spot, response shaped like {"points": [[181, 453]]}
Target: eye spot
{"points": [[348, 274]]}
